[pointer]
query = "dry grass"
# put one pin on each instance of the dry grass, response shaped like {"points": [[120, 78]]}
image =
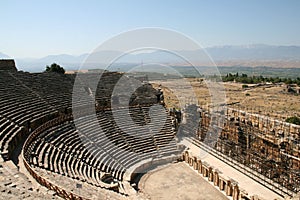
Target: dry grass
{"points": [[271, 101]]}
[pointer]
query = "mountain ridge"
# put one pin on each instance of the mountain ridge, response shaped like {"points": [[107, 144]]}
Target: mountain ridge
{"points": [[3, 56], [235, 54]]}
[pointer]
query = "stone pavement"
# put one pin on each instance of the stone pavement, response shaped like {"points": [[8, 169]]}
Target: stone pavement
{"points": [[178, 181]]}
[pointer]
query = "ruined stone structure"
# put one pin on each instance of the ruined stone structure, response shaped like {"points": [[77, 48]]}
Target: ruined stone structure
{"points": [[38, 108], [224, 183], [8, 65], [93, 149], [267, 146]]}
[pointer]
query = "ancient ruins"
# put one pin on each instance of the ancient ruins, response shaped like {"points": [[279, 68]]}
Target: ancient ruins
{"points": [[54, 145]]}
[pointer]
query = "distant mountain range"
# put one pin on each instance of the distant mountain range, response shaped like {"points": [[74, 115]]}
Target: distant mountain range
{"points": [[255, 52], [248, 55], [3, 56]]}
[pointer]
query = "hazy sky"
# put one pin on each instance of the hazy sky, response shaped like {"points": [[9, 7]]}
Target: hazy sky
{"points": [[39, 28]]}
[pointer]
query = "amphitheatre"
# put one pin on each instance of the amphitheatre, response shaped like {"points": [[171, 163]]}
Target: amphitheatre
{"points": [[55, 145]]}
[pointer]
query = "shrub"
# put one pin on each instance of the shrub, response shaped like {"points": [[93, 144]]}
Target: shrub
{"points": [[55, 68], [293, 120]]}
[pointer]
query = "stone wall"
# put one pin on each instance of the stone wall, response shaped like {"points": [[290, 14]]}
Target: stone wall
{"points": [[269, 147]]}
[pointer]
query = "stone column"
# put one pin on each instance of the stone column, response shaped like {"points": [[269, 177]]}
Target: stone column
{"points": [[195, 164], [254, 197], [216, 178], [235, 192], [222, 183], [191, 161], [210, 174], [199, 167], [186, 157], [204, 171], [228, 188]]}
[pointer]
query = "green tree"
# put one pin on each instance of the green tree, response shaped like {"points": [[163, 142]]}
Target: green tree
{"points": [[293, 120], [55, 68], [288, 81]]}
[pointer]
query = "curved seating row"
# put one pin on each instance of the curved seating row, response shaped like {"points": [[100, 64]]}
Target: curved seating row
{"points": [[98, 146]]}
